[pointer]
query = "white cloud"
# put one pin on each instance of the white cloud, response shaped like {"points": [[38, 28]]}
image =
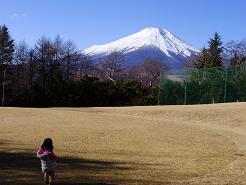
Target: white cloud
{"points": [[18, 15], [23, 15]]}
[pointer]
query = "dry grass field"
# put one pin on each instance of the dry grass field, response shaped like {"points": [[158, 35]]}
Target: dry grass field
{"points": [[200, 144]]}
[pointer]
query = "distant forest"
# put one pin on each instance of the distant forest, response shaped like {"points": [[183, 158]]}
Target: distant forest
{"points": [[55, 73]]}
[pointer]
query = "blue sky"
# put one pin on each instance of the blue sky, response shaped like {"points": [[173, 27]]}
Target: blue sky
{"points": [[89, 22]]}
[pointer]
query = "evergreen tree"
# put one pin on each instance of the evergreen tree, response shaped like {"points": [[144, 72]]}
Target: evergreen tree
{"points": [[215, 50], [6, 51]]}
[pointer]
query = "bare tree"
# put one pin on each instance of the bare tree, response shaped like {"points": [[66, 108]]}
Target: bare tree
{"points": [[150, 70], [112, 67], [86, 66], [69, 61], [58, 48], [32, 67], [21, 59], [135, 73], [44, 51], [57, 59], [235, 52]]}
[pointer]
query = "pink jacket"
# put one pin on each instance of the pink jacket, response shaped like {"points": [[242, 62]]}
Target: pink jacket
{"points": [[48, 159]]}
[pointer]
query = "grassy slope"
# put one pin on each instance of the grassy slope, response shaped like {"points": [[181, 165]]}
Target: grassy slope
{"points": [[203, 144]]}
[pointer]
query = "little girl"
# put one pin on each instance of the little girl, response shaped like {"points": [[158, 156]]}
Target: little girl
{"points": [[48, 161]]}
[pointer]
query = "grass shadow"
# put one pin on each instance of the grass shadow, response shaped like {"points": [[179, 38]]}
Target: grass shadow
{"points": [[20, 167], [24, 168]]}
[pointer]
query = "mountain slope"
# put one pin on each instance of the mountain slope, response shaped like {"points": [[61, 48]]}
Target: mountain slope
{"points": [[151, 42]]}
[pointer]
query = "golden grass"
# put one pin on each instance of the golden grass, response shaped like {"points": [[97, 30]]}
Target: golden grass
{"points": [[201, 144]]}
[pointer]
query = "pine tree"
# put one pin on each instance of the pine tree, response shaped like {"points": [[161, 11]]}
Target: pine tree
{"points": [[6, 51], [215, 50]]}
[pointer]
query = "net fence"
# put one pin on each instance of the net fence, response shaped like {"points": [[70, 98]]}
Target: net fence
{"points": [[203, 86]]}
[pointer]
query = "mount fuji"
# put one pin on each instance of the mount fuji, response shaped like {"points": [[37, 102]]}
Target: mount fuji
{"points": [[154, 43]]}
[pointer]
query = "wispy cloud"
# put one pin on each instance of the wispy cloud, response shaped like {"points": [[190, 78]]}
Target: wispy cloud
{"points": [[18, 15]]}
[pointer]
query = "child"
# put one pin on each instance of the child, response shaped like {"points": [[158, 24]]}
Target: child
{"points": [[48, 161]]}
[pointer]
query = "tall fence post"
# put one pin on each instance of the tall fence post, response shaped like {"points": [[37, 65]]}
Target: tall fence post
{"points": [[3, 84], [159, 102], [225, 87], [185, 93]]}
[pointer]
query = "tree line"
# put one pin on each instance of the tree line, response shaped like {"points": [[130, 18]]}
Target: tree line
{"points": [[55, 73]]}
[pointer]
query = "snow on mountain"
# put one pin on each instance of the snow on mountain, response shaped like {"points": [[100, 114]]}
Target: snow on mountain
{"points": [[151, 42]]}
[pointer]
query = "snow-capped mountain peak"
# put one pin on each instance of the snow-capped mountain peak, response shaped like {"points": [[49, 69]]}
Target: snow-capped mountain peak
{"points": [[154, 39]]}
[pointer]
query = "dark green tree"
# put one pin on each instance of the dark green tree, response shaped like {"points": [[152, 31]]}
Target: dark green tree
{"points": [[6, 52], [215, 51]]}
